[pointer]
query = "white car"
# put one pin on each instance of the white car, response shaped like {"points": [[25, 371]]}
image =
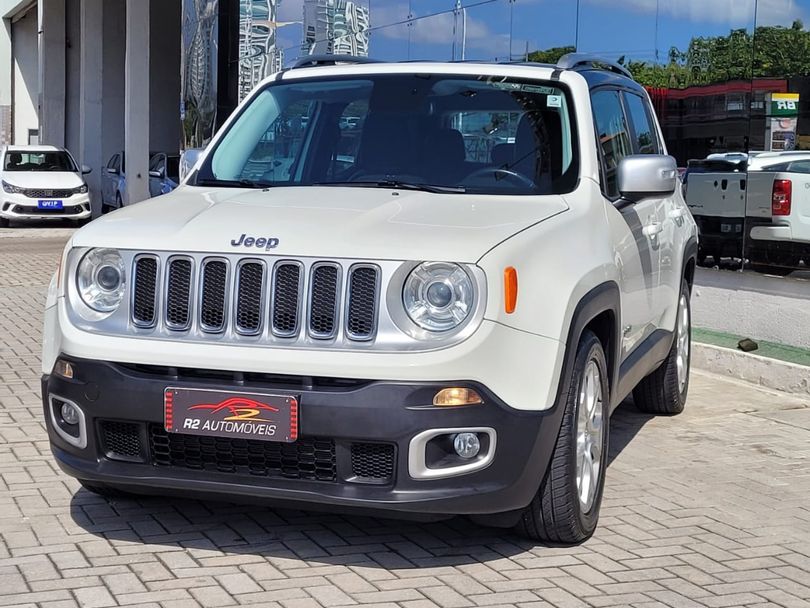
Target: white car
{"points": [[42, 182], [414, 332]]}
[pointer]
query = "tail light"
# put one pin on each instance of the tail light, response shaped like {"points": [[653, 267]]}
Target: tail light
{"points": [[782, 196]]}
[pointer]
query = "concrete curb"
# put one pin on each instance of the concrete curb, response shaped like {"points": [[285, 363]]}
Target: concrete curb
{"points": [[769, 373]]}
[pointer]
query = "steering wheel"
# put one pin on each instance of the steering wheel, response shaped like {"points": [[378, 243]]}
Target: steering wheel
{"points": [[500, 173]]}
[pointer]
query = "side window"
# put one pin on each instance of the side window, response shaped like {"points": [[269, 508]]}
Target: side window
{"points": [[113, 161], [350, 123], [614, 139], [799, 166], [645, 139], [154, 164]]}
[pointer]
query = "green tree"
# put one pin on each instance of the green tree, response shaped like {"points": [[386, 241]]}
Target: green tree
{"points": [[551, 55]]}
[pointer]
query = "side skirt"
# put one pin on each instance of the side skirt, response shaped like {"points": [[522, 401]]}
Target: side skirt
{"points": [[644, 359]]}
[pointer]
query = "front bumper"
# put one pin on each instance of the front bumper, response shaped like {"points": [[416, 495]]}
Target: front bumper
{"points": [[335, 417], [21, 207]]}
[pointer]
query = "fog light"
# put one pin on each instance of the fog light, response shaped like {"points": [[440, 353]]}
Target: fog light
{"points": [[450, 397], [69, 413], [64, 369], [467, 445]]}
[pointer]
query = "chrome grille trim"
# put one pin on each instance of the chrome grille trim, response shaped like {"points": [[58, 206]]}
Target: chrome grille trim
{"points": [[274, 321], [240, 299], [203, 295], [167, 299], [154, 286], [351, 293], [319, 288], [394, 332]]}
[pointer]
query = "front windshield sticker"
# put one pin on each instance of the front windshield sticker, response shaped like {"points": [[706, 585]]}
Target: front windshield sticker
{"points": [[554, 101], [533, 88]]}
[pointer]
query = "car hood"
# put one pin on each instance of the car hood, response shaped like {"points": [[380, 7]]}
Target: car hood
{"points": [[52, 180], [332, 222]]}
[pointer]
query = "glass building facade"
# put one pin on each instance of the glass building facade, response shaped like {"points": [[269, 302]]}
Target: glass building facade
{"points": [[725, 76]]}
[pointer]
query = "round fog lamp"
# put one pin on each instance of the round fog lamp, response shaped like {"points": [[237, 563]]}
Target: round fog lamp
{"points": [[467, 445], [70, 414]]}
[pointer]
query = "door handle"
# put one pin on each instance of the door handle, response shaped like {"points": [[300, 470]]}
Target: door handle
{"points": [[678, 213], [653, 229]]}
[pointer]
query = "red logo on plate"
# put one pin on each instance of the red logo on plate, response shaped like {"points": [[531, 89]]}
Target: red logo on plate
{"points": [[238, 408]]}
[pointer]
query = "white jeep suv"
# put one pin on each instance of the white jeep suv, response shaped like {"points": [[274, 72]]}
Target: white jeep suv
{"points": [[432, 310], [42, 183]]}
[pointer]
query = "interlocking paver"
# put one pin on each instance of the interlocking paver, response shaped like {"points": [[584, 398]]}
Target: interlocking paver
{"points": [[705, 509]]}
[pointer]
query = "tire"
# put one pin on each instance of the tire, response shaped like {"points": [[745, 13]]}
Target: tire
{"points": [[557, 514], [4, 223], [102, 490], [119, 202], [663, 392], [105, 208]]}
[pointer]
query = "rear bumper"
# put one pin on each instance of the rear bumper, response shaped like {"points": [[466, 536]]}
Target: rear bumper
{"points": [[341, 414]]}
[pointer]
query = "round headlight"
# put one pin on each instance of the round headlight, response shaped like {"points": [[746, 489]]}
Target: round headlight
{"points": [[101, 279], [438, 296]]}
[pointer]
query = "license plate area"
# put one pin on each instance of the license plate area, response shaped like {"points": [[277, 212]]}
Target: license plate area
{"points": [[231, 414], [49, 204]]}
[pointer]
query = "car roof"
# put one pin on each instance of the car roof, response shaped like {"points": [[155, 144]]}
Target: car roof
{"points": [[597, 71], [42, 148]]}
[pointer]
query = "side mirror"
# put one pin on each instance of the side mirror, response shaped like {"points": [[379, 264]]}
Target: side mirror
{"points": [[86, 170], [188, 159], [156, 174], [644, 175]]}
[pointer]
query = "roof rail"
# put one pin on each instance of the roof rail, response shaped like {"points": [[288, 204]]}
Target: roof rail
{"points": [[571, 61], [311, 61]]}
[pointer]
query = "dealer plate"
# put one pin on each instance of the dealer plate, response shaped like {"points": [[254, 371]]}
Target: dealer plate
{"points": [[49, 204], [237, 415]]}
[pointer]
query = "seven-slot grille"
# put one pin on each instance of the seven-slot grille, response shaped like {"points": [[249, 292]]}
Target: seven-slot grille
{"points": [[250, 295]]}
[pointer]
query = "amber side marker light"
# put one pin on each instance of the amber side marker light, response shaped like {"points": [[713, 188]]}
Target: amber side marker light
{"points": [[510, 290], [63, 368], [453, 397]]}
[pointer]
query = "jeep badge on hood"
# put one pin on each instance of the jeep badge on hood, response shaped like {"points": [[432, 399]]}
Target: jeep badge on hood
{"points": [[260, 242]]}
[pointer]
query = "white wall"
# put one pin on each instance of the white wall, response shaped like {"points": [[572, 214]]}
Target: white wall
{"points": [[164, 86], [24, 50]]}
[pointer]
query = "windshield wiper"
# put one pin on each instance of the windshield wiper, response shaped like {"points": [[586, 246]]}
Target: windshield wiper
{"points": [[398, 185], [233, 183]]}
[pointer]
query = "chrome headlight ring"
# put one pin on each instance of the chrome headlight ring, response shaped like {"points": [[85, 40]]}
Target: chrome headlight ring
{"points": [[438, 297], [101, 279]]}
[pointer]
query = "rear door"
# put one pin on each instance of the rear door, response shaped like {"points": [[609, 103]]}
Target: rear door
{"points": [[637, 253], [109, 179], [157, 165]]}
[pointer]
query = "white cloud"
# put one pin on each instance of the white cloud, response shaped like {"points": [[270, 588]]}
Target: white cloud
{"points": [[735, 13]]}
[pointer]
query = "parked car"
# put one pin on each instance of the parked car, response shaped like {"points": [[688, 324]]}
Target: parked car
{"points": [[164, 173], [42, 183], [406, 331], [163, 178], [778, 211]]}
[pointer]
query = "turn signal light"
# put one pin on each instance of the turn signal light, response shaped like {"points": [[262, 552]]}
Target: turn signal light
{"points": [[510, 290], [452, 397], [64, 369]]}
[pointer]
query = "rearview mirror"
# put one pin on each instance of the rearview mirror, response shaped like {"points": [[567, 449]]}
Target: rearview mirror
{"points": [[86, 170], [644, 175], [188, 159]]}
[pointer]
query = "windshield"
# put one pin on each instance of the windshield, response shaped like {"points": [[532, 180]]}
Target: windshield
{"points": [[459, 133], [39, 161]]}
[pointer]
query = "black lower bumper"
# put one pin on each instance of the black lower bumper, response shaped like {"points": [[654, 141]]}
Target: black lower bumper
{"points": [[345, 425]]}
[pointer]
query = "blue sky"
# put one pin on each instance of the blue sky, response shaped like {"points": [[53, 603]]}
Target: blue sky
{"points": [[610, 27]]}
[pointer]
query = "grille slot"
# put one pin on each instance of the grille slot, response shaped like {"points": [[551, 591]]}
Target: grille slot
{"points": [[286, 299], [178, 294], [144, 291], [213, 299], [121, 440], [361, 317], [309, 458], [373, 461], [323, 300], [249, 298]]}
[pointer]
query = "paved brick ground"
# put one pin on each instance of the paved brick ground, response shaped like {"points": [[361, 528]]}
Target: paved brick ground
{"points": [[706, 509]]}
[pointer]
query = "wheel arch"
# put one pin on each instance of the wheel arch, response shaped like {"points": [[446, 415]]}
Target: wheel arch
{"points": [[599, 311], [690, 253]]}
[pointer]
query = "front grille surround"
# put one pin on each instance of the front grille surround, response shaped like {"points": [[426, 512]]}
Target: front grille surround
{"points": [[144, 299], [285, 316], [246, 300], [392, 331], [354, 309], [212, 297], [48, 193]]}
